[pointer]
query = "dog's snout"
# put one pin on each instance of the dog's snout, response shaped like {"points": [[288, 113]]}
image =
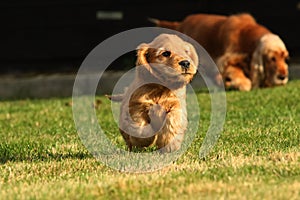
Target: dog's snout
{"points": [[281, 77], [185, 64]]}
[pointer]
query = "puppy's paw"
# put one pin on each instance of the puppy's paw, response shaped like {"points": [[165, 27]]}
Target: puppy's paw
{"points": [[157, 116]]}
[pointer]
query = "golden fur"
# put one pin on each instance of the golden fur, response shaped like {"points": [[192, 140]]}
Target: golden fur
{"points": [[235, 74], [153, 108], [265, 53]]}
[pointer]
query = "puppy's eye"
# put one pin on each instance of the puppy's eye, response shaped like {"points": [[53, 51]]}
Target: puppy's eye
{"points": [[166, 54], [273, 59]]}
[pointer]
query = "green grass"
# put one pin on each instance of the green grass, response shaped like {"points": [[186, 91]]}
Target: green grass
{"points": [[256, 157]]}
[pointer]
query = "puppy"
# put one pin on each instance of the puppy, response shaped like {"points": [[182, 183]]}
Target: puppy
{"points": [[153, 108]]}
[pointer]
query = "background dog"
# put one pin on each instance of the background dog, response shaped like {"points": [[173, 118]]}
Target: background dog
{"points": [[235, 71], [153, 108], [265, 53]]}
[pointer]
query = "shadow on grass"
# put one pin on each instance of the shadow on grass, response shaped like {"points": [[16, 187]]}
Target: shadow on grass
{"points": [[34, 152]]}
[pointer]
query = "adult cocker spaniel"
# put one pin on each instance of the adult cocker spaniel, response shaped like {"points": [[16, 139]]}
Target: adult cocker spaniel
{"points": [[262, 52]]}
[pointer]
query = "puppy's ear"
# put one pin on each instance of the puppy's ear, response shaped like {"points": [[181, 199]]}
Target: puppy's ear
{"points": [[142, 54], [193, 54]]}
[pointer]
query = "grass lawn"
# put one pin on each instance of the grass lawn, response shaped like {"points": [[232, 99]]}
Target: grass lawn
{"points": [[257, 155]]}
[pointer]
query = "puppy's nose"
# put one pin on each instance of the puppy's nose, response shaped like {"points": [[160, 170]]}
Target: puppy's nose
{"points": [[281, 77], [184, 64]]}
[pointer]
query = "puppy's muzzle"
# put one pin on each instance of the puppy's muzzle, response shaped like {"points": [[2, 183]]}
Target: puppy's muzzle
{"points": [[185, 64]]}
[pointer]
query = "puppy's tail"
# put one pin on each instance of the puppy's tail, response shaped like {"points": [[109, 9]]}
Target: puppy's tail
{"points": [[115, 98], [165, 24]]}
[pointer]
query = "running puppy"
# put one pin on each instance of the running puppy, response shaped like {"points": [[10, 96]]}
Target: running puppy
{"points": [[153, 108]]}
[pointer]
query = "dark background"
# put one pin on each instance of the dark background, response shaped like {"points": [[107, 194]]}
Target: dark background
{"points": [[55, 36]]}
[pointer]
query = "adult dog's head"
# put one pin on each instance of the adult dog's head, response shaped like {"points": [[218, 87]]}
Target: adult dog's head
{"points": [[268, 65], [168, 59]]}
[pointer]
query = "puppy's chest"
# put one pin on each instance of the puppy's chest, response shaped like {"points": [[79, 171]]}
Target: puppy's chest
{"points": [[145, 97]]}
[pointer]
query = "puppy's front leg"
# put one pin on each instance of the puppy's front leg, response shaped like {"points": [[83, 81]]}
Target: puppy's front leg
{"points": [[141, 124], [171, 135], [157, 115]]}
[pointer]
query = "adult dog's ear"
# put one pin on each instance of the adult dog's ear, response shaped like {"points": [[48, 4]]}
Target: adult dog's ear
{"points": [[142, 56], [257, 68]]}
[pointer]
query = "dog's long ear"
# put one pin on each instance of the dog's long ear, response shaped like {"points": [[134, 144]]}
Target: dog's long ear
{"points": [[257, 68], [222, 62], [193, 54], [142, 54]]}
